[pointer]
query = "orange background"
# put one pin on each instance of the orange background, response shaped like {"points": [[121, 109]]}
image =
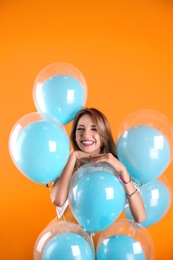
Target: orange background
{"points": [[125, 51]]}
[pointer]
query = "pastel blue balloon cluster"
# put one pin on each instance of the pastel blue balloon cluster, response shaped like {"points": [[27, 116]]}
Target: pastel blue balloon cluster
{"points": [[67, 246], [157, 200], [96, 197], [40, 149], [39, 145], [120, 247], [125, 239], [145, 152], [61, 96], [64, 240]]}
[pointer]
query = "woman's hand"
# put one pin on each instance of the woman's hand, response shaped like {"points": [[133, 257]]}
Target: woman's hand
{"points": [[110, 159], [81, 156]]}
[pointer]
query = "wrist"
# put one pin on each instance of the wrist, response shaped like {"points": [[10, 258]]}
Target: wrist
{"points": [[72, 157], [124, 176], [125, 181]]}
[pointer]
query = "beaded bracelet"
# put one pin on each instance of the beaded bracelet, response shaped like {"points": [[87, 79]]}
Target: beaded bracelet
{"points": [[125, 182], [129, 195]]}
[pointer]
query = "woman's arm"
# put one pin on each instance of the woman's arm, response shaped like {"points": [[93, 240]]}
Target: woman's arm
{"points": [[135, 201], [59, 191], [136, 204]]}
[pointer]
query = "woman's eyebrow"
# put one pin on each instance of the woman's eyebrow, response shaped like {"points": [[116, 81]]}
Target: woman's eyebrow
{"points": [[84, 125]]}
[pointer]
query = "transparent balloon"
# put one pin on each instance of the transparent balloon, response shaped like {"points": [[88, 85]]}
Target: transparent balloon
{"points": [[157, 197], [145, 144], [64, 240], [60, 89], [96, 196], [39, 147], [125, 239]]}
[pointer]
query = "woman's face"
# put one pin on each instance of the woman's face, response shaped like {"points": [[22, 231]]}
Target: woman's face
{"points": [[87, 136]]}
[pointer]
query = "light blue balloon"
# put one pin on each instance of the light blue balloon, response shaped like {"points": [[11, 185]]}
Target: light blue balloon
{"points": [[120, 247], [42, 150], [68, 246], [96, 200], [61, 96], [145, 152], [157, 200]]}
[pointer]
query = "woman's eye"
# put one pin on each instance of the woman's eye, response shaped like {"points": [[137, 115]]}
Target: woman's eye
{"points": [[94, 129], [79, 129]]}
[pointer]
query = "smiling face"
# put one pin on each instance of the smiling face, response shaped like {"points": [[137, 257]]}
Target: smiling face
{"points": [[87, 136]]}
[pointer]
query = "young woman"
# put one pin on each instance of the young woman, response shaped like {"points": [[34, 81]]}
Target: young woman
{"points": [[92, 141]]}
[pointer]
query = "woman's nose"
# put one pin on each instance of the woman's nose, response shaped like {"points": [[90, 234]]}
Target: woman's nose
{"points": [[86, 132]]}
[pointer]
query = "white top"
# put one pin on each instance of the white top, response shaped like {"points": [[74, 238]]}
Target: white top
{"points": [[60, 210]]}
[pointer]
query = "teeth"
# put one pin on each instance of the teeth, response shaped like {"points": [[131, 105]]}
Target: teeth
{"points": [[87, 142]]}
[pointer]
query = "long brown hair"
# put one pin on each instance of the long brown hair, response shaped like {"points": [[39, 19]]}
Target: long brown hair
{"points": [[103, 127]]}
